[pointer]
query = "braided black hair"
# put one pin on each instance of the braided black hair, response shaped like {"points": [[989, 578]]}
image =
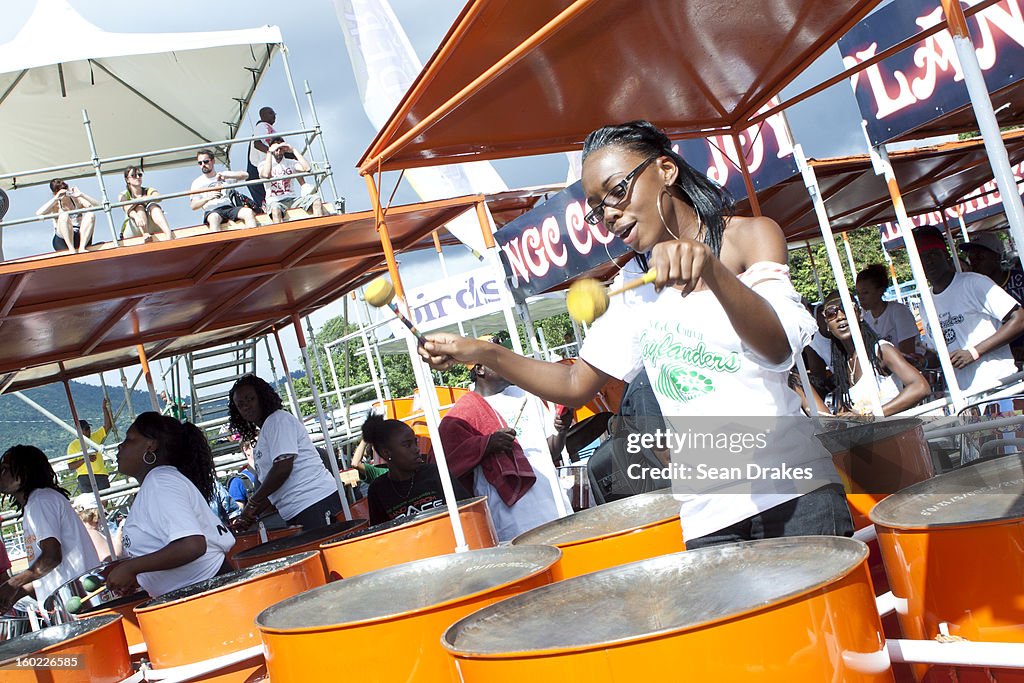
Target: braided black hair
{"points": [[269, 400], [182, 445], [31, 466], [712, 202]]}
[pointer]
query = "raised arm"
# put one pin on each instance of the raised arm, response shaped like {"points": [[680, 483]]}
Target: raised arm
{"points": [[915, 386], [748, 241], [267, 164], [301, 165], [571, 385], [50, 205]]}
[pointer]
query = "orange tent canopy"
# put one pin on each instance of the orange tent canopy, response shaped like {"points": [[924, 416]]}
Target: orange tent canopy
{"points": [[91, 310], [930, 179], [559, 69]]}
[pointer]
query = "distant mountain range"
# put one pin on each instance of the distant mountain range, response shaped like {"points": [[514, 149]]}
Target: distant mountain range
{"points": [[21, 423]]}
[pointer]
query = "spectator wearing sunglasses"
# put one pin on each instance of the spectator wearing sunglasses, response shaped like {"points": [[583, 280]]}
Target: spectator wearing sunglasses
{"points": [[900, 385], [215, 202], [977, 317], [717, 334], [148, 207]]}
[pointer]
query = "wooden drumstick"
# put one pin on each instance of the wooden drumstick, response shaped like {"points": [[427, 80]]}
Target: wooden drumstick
{"points": [[647, 279], [380, 293]]}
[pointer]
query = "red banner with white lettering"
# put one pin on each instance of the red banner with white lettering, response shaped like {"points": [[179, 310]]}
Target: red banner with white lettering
{"points": [[981, 204], [911, 88]]}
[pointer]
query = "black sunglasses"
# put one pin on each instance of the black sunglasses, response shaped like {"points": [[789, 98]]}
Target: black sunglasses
{"points": [[617, 194], [832, 311], [203, 162]]}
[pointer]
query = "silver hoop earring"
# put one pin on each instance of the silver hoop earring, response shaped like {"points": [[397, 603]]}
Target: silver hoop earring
{"points": [[145, 458]]}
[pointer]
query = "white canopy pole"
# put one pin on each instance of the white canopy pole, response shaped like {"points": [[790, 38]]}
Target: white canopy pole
{"points": [[880, 160], [87, 453], [507, 304], [332, 460], [424, 380], [981, 103], [811, 183]]}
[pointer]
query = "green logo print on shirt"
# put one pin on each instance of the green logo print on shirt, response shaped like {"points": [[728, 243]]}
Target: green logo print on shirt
{"points": [[676, 378]]}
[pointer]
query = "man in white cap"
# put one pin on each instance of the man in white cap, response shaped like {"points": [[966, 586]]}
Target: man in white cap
{"points": [[986, 253]]}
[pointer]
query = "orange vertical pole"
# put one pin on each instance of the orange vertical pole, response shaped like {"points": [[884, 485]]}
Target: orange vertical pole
{"points": [[485, 224], [385, 240], [141, 350], [755, 205]]}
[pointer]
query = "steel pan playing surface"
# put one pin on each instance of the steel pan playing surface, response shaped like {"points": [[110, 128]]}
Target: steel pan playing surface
{"points": [[410, 604], [98, 641], [627, 530], [953, 549], [802, 608]]}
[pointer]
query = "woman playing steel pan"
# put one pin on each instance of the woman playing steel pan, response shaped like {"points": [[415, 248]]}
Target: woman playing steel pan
{"points": [[294, 479], [717, 334], [853, 386], [58, 544], [171, 536]]}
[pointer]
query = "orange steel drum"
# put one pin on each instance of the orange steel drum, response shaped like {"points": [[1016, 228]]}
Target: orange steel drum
{"points": [[781, 610], [396, 615], [251, 539], [634, 528], [98, 643], [305, 541], [876, 459], [953, 549], [427, 534], [216, 617], [125, 607]]}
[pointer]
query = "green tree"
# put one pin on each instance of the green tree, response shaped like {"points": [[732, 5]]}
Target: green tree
{"points": [[866, 246], [398, 370]]}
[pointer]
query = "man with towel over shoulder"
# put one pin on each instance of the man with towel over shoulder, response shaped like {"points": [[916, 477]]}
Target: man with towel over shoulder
{"points": [[499, 447]]}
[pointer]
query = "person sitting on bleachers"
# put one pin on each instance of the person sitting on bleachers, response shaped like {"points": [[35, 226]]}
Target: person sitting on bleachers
{"points": [[147, 208], [216, 203], [281, 191], [71, 232]]}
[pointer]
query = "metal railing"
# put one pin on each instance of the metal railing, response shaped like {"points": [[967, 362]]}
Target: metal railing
{"points": [[321, 171]]}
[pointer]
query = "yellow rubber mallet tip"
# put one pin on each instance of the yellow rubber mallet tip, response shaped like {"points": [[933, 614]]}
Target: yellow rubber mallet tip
{"points": [[587, 300], [379, 293]]}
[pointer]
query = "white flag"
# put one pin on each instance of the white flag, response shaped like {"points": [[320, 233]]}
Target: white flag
{"points": [[385, 66]]}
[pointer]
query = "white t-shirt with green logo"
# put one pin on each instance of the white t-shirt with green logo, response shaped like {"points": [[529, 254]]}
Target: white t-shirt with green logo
{"points": [[698, 366]]}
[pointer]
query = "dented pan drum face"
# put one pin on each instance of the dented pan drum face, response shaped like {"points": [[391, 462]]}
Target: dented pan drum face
{"points": [[409, 605], [802, 608], [953, 549], [627, 530]]}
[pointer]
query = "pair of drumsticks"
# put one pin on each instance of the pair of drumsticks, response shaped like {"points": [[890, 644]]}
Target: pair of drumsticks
{"points": [[587, 299]]}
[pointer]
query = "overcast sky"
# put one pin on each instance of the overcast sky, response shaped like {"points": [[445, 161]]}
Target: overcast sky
{"points": [[828, 125]]}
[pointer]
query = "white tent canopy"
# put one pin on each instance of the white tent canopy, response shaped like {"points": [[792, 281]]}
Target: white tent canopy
{"points": [[142, 91]]}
